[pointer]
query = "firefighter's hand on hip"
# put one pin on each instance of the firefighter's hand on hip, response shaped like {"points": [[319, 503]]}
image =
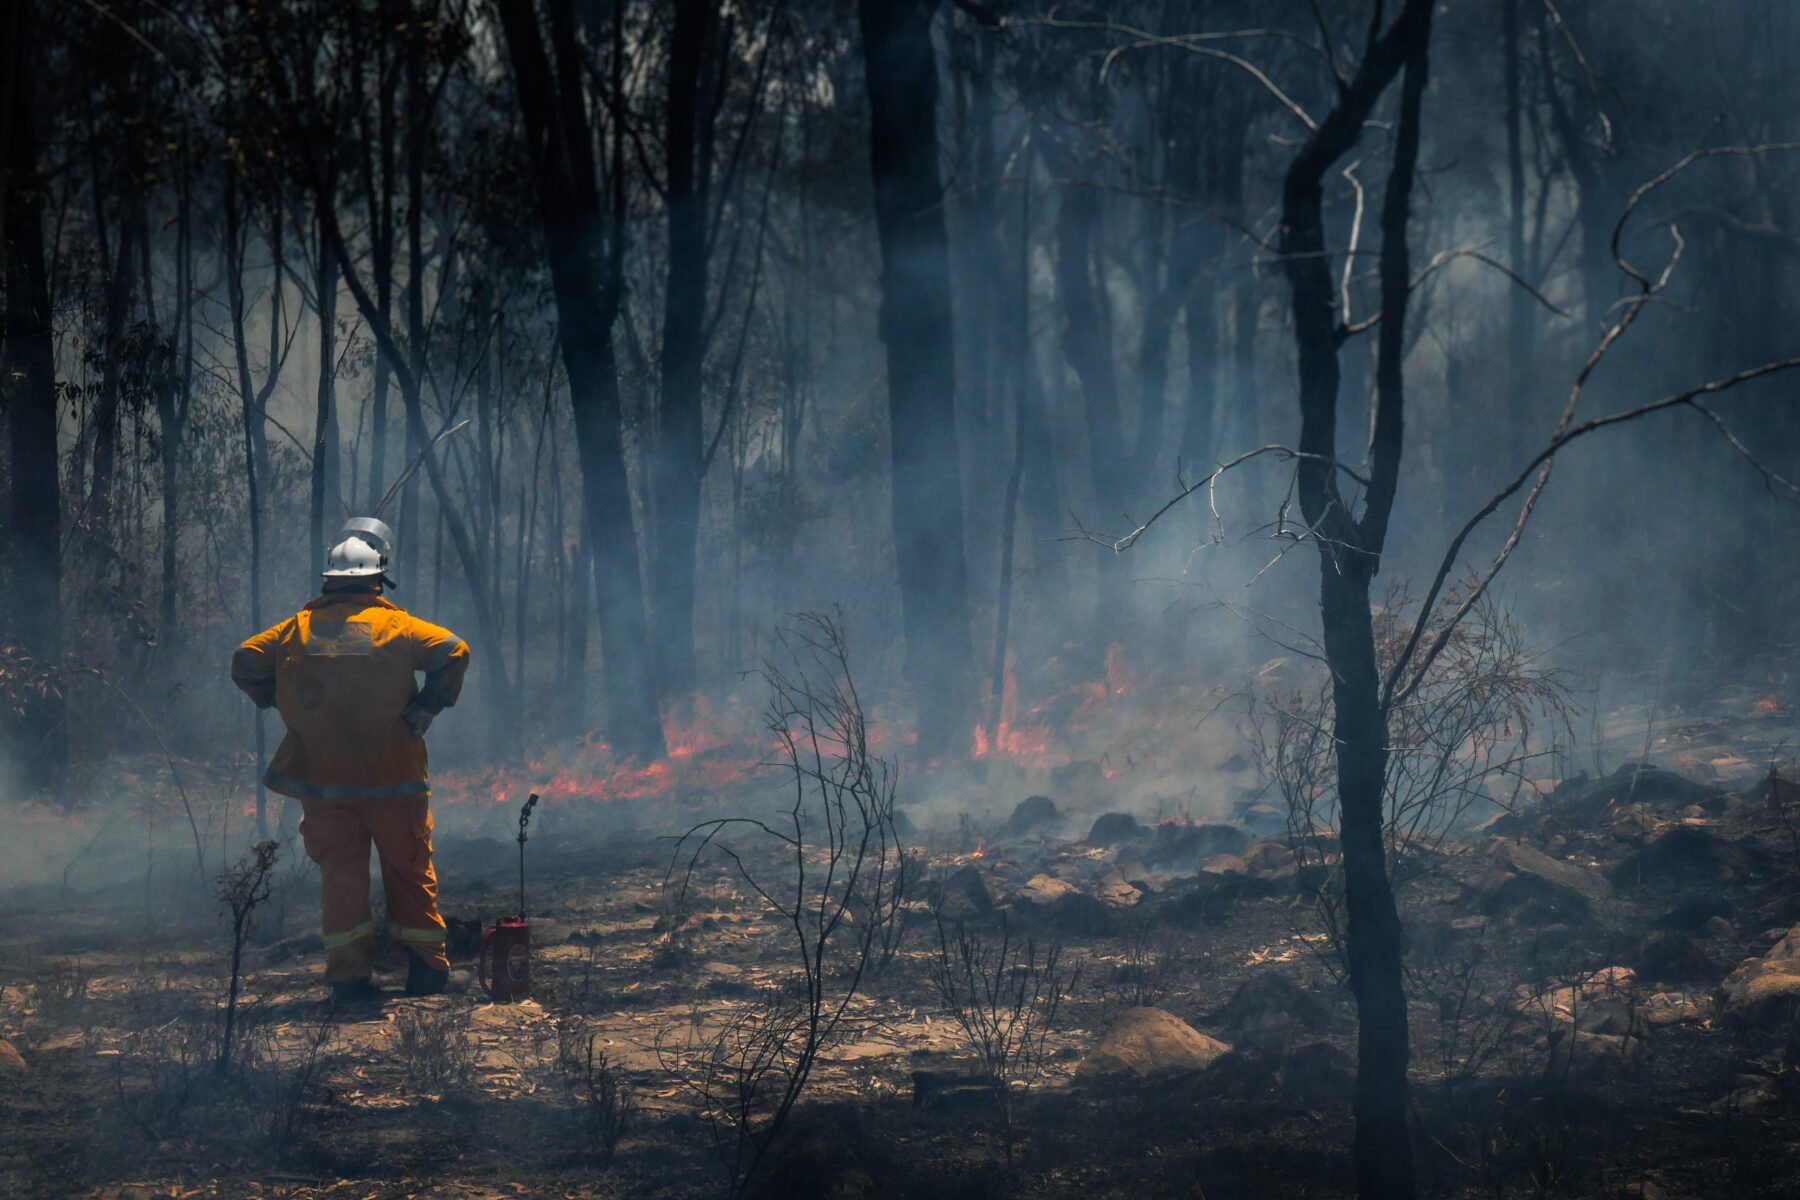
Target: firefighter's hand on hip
{"points": [[417, 719]]}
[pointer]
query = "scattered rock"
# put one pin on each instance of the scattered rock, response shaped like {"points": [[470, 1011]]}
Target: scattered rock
{"points": [[1269, 1003], [1119, 894], [1766, 989], [1718, 927], [1693, 914], [1181, 844], [1537, 888], [1748, 1093], [1032, 814], [12, 1066], [1269, 858], [1673, 957], [965, 894], [1045, 889], [1115, 829], [1502, 824], [1602, 1004], [1640, 1189], [1224, 864], [1069, 912], [1644, 783], [1671, 1008], [1684, 853], [1146, 1043]]}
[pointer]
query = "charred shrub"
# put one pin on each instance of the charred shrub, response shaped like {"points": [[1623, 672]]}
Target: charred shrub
{"points": [[59, 990], [596, 1086], [431, 1047], [1004, 997], [831, 872]]}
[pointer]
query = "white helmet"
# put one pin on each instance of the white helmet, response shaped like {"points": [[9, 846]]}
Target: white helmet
{"points": [[361, 551]]}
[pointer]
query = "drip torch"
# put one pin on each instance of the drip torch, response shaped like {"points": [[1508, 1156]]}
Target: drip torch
{"points": [[508, 942]]}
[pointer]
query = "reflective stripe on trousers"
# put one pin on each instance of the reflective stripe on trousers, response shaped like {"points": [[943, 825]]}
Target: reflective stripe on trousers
{"points": [[338, 837]]}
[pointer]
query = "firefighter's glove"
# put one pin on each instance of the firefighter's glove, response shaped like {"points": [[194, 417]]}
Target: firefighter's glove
{"points": [[417, 719]]}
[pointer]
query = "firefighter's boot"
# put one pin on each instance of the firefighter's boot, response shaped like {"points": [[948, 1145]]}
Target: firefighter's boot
{"points": [[424, 979], [357, 993]]}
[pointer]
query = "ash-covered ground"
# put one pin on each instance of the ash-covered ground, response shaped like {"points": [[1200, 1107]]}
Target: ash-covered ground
{"points": [[1604, 985]]}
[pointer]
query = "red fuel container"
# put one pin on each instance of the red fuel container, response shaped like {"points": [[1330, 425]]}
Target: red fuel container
{"points": [[508, 944]]}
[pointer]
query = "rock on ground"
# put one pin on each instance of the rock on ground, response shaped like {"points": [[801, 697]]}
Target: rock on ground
{"points": [[1766, 988], [1031, 814], [1114, 829], [1269, 1003], [966, 894], [1530, 881], [1149, 1042], [12, 1066]]}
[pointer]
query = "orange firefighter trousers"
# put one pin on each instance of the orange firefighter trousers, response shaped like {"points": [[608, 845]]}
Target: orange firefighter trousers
{"points": [[337, 837]]}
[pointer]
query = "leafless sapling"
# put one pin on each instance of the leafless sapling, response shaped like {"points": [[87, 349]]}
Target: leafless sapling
{"points": [[240, 888], [1004, 995], [840, 890]]}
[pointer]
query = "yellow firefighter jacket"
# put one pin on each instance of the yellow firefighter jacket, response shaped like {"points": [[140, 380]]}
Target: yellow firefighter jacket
{"points": [[340, 671]]}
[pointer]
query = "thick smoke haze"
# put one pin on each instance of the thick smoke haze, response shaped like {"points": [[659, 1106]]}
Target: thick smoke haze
{"points": [[1119, 326]]}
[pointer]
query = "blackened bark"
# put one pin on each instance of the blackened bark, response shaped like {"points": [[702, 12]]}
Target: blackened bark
{"points": [[173, 398], [1514, 412], [324, 447], [117, 289], [38, 734], [1350, 553], [251, 400], [1087, 346], [588, 295], [916, 329], [678, 468], [418, 128]]}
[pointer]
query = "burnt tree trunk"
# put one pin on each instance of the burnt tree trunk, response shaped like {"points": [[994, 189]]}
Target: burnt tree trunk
{"points": [[252, 401], [586, 277], [916, 329], [324, 446], [1350, 550], [174, 395], [1087, 346], [38, 733], [678, 468]]}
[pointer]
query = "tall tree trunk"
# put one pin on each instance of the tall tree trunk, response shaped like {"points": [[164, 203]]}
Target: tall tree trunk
{"points": [[588, 295], [417, 134], [918, 333], [676, 476], [251, 401], [118, 289], [324, 447], [173, 397], [1514, 413], [1088, 348], [38, 734], [1350, 550]]}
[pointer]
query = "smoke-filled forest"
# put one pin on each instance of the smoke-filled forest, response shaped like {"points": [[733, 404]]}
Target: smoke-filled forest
{"points": [[1103, 598]]}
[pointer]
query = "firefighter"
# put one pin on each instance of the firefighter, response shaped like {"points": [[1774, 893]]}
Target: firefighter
{"points": [[341, 673]]}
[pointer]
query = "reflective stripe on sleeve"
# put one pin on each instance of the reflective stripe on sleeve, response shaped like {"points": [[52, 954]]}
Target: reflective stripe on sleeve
{"points": [[441, 655], [402, 933], [337, 941]]}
